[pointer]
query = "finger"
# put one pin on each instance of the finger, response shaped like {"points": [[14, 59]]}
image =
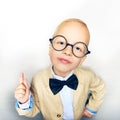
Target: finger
{"points": [[19, 96], [22, 78], [20, 91], [21, 86]]}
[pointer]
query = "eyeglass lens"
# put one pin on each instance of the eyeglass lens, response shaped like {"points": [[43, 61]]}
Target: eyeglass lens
{"points": [[79, 49]]}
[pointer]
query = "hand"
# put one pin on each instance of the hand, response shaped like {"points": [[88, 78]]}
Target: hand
{"points": [[87, 114], [22, 91]]}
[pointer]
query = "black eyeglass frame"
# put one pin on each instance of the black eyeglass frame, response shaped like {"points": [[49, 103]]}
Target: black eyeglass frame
{"points": [[68, 44]]}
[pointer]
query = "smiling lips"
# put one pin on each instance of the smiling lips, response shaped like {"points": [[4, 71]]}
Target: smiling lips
{"points": [[65, 61]]}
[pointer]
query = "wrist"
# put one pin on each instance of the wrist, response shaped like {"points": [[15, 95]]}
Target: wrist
{"points": [[23, 102]]}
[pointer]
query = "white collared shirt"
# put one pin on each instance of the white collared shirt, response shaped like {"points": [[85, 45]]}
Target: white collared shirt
{"points": [[66, 95]]}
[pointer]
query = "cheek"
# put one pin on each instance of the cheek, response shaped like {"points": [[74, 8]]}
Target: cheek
{"points": [[52, 55], [51, 52], [78, 61]]}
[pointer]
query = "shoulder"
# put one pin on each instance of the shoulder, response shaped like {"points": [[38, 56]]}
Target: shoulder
{"points": [[43, 72], [84, 70], [86, 74], [42, 75]]}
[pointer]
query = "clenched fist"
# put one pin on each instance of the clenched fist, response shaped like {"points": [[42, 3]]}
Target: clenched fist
{"points": [[22, 91]]}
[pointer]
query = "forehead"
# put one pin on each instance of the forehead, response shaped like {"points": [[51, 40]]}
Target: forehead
{"points": [[73, 31]]}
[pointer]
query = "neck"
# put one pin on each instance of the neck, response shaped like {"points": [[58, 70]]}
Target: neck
{"points": [[59, 73]]}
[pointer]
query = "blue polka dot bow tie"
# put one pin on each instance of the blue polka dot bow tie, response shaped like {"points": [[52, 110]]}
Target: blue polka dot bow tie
{"points": [[57, 85]]}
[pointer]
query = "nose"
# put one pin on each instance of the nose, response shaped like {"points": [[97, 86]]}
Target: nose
{"points": [[68, 50]]}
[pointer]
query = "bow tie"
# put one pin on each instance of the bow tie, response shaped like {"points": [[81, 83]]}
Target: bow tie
{"points": [[56, 85]]}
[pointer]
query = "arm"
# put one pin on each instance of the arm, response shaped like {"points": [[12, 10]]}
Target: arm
{"points": [[22, 94], [97, 88]]}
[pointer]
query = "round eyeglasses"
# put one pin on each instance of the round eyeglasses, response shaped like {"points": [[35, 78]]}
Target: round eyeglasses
{"points": [[79, 49]]}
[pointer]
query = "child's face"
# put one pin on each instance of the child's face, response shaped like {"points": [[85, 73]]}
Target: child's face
{"points": [[64, 61]]}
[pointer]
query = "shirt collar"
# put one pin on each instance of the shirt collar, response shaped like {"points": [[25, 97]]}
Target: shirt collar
{"points": [[59, 77]]}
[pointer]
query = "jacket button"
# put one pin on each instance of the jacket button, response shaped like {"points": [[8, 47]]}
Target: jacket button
{"points": [[58, 115]]}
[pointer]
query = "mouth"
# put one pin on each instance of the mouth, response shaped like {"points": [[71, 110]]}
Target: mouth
{"points": [[64, 61]]}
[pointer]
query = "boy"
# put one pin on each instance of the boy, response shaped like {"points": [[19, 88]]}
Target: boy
{"points": [[60, 91]]}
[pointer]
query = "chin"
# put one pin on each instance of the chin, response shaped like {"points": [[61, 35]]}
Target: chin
{"points": [[64, 70]]}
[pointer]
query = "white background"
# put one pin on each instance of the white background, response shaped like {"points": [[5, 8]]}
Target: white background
{"points": [[26, 26]]}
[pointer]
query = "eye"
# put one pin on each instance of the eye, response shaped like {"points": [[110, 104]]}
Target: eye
{"points": [[78, 48], [60, 43]]}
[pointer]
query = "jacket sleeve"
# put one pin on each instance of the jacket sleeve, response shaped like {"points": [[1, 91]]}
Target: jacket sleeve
{"points": [[97, 89]]}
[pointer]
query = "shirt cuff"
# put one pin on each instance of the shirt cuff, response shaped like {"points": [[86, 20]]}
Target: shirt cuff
{"points": [[26, 106], [92, 112]]}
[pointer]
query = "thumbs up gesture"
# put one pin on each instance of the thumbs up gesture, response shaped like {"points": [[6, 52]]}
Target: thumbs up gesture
{"points": [[22, 91]]}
